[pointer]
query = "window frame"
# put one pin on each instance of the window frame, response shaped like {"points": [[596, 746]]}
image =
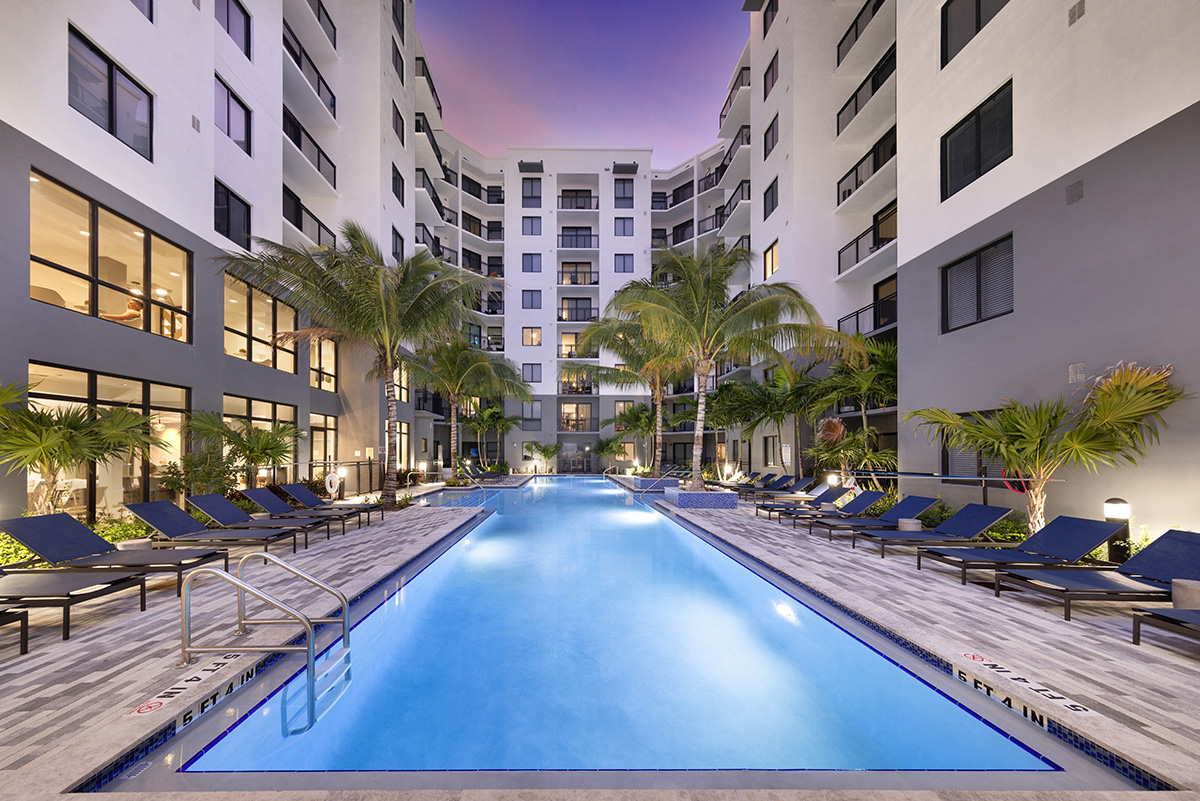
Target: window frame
{"points": [[771, 75], [112, 72], [529, 333], [227, 233], [318, 370], [621, 261], [228, 5], [977, 256], [532, 372], [398, 62], [974, 118], [249, 336], [531, 298], [771, 256], [397, 184], [531, 226], [771, 198], [531, 262], [977, 7], [531, 193], [232, 100], [621, 200], [770, 137], [398, 123], [396, 237], [622, 226], [769, 12]]}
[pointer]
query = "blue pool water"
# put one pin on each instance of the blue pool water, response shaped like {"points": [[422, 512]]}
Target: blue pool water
{"points": [[577, 629]]}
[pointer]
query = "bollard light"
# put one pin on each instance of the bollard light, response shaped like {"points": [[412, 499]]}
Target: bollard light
{"points": [[833, 479], [1116, 510]]}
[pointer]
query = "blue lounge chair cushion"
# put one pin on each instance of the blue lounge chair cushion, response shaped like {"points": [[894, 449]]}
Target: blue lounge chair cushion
{"points": [[968, 522], [226, 513], [1000, 556], [166, 518], [309, 499], [1174, 555], [1106, 581], [1188, 617], [908, 508], [56, 538]]}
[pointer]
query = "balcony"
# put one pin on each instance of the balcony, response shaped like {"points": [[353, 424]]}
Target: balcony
{"points": [[578, 424], [291, 43], [882, 153], [495, 231], [584, 314], [871, 85], [869, 319], [743, 242], [742, 192], [570, 352], [490, 307], [741, 80], [424, 182], [424, 237], [305, 221], [708, 181], [578, 278], [422, 70], [450, 256], [309, 148], [658, 201], [578, 203], [868, 242], [712, 222], [681, 194], [426, 401], [324, 20], [450, 216], [742, 137], [872, 30], [495, 269], [577, 388], [579, 241], [495, 344]]}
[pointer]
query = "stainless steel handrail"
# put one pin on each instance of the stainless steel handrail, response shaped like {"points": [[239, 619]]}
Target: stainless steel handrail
{"points": [[295, 571]]}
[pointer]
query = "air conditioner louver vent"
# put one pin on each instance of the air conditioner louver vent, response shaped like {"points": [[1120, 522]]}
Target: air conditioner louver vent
{"points": [[196, 123], [1074, 13], [1074, 192]]}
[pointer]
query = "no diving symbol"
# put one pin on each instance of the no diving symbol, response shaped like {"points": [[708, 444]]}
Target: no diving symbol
{"points": [[147, 707], [974, 657]]}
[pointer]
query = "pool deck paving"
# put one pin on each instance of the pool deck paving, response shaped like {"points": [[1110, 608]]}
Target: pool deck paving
{"points": [[65, 707]]}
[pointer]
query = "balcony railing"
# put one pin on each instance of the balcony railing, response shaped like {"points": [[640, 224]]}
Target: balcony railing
{"points": [[869, 241], [743, 242], [494, 269], [577, 424], [291, 43], [576, 278], [450, 216], [325, 21], [295, 132], [298, 215], [571, 352], [883, 152], [578, 240], [424, 237], [579, 315], [658, 201], [426, 401], [450, 256], [424, 182], [867, 89], [494, 231], [712, 222], [870, 318], [495, 344], [423, 72], [742, 137], [737, 196], [855, 31], [494, 195], [491, 307], [742, 79], [578, 203], [682, 194], [577, 388], [708, 181]]}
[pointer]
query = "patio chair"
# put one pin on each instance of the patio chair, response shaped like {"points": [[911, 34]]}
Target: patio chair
{"points": [[279, 509], [790, 500], [13, 614], [967, 524], [855, 506], [745, 479], [63, 589], [802, 506], [227, 515], [180, 528], [310, 500], [1063, 541], [777, 483], [64, 543], [794, 491], [1146, 576], [908, 508], [1185, 622]]}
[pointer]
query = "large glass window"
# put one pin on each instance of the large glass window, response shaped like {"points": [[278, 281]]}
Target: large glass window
{"points": [[99, 490], [961, 20], [978, 143], [88, 259], [531, 226], [232, 116], [532, 372], [623, 263], [262, 414], [397, 246], [531, 262], [232, 16], [322, 359], [397, 62], [531, 193], [107, 95], [398, 123], [770, 10], [623, 192], [531, 336], [397, 184], [322, 437], [252, 318], [531, 298], [623, 226], [231, 216], [978, 287], [770, 76]]}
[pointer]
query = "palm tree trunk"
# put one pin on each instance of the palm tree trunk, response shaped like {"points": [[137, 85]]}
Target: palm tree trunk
{"points": [[1035, 505], [454, 436], [701, 377], [659, 445], [391, 457]]}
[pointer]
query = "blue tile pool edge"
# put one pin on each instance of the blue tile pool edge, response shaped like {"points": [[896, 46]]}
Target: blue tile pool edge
{"points": [[1080, 742]]}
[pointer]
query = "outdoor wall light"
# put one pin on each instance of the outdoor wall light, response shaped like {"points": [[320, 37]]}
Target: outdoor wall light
{"points": [[833, 479]]}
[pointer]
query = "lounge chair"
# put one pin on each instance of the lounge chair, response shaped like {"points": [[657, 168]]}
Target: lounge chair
{"points": [[794, 491], [855, 506], [744, 480], [1185, 622], [803, 508], [1145, 577], [784, 502], [180, 528], [1063, 541], [310, 500], [279, 509], [63, 589], [967, 524], [776, 484], [908, 508], [13, 614], [68, 545], [227, 515]]}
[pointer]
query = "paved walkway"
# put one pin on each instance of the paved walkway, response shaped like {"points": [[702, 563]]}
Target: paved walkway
{"points": [[63, 711]]}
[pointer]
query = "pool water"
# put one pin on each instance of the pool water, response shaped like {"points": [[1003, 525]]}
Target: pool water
{"points": [[577, 629]]}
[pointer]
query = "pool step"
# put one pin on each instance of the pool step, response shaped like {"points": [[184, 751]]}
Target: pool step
{"points": [[332, 680]]}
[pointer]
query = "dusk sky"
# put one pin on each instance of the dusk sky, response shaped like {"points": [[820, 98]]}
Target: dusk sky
{"points": [[546, 73]]}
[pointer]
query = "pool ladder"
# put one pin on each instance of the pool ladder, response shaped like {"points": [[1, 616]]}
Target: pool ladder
{"points": [[322, 690]]}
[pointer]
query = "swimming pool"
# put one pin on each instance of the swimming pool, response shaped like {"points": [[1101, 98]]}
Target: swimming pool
{"points": [[578, 630]]}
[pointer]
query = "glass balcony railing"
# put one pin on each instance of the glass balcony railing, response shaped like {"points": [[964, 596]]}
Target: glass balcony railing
{"points": [[742, 79], [578, 202], [869, 241], [737, 196], [578, 278], [571, 352], [422, 69], [578, 241], [325, 21], [577, 424], [742, 137], [583, 314], [424, 182], [301, 138], [291, 43], [305, 221], [855, 31], [424, 237], [883, 152], [867, 89], [870, 318], [577, 388]]}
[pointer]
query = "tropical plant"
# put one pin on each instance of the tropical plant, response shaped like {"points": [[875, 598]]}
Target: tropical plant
{"points": [[638, 422], [461, 372], [838, 448], [355, 297], [1112, 424], [867, 383], [610, 448], [245, 444], [545, 451], [58, 441], [688, 306], [492, 418]]}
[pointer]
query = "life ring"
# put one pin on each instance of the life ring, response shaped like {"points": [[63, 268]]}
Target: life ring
{"points": [[1016, 485], [332, 483]]}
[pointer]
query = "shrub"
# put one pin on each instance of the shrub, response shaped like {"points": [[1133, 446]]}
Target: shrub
{"points": [[404, 501], [111, 529], [880, 506], [457, 482], [935, 515]]}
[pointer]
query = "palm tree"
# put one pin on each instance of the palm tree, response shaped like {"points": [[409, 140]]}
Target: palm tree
{"points": [[867, 383], [461, 372], [545, 450], [492, 418], [610, 448], [1112, 424], [355, 297], [688, 307], [639, 423]]}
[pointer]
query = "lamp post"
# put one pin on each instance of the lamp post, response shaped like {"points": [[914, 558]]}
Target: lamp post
{"points": [[1116, 510]]}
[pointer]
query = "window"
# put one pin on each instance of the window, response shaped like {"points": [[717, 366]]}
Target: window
{"points": [[322, 364], [146, 7], [495, 230], [472, 224], [252, 318], [628, 452], [978, 287], [624, 226], [398, 123], [771, 198], [531, 298], [85, 258], [106, 95], [531, 193], [526, 453], [397, 62], [397, 245], [532, 372], [398, 17], [769, 12], [771, 76], [531, 226], [623, 193], [771, 260], [961, 20], [771, 137], [424, 445], [232, 216], [397, 184], [771, 450], [232, 116], [103, 488], [322, 434], [232, 16], [261, 414], [531, 337], [531, 416], [531, 262], [624, 263], [978, 143]]}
